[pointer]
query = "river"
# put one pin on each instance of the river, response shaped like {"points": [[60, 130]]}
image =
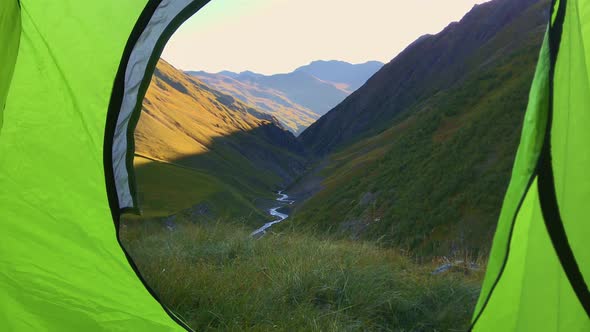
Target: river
{"points": [[284, 200]]}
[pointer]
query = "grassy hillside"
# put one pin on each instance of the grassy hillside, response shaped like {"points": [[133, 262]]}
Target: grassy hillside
{"points": [[230, 153], [217, 277], [484, 37], [433, 180]]}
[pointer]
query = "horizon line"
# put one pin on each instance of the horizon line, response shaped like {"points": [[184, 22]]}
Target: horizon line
{"points": [[259, 73]]}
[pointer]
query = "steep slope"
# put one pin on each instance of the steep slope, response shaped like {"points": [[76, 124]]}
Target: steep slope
{"points": [[348, 76], [433, 179], [426, 67], [235, 153], [298, 98]]}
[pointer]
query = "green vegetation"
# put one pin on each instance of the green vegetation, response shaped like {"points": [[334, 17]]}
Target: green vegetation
{"points": [[216, 276], [438, 175], [433, 180], [164, 189]]}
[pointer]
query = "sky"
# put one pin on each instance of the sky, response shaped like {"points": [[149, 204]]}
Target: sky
{"points": [[277, 36]]}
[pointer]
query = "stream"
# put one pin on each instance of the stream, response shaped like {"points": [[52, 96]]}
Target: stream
{"points": [[284, 200]]}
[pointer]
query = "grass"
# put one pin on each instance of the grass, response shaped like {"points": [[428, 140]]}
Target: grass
{"points": [[217, 277], [165, 189]]}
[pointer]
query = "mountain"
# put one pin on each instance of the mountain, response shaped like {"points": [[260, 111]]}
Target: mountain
{"points": [[485, 36], [348, 76], [304, 89], [421, 155], [221, 152], [298, 98], [292, 115]]}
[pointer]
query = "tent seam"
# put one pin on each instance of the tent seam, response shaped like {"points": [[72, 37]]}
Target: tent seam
{"points": [[546, 184]]}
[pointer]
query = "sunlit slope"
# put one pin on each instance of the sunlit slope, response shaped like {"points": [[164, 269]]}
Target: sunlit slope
{"points": [[434, 179], [182, 116], [228, 143]]}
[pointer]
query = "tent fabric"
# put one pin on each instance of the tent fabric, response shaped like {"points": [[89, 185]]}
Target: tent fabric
{"points": [[62, 267], [539, 268], [72, 79], [10, 32], [136, 71]]}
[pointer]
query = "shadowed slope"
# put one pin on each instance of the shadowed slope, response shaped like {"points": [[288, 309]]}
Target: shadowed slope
{"points": [[432, 64]]}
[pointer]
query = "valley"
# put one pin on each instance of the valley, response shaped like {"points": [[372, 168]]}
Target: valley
{"points": [[232, 155], [323, 199]]}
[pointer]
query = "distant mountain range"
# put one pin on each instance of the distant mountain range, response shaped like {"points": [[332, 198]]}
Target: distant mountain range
{"points": [[298, 98], [348, 76]]}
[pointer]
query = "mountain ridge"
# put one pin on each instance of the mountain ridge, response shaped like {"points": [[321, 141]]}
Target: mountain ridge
{"points": [[297, 98], [300, 68], [429, 64]]}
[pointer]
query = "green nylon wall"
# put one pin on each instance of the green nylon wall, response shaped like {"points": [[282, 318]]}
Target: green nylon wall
{"points": [[61, 268], [533, 292], [571, 130]]}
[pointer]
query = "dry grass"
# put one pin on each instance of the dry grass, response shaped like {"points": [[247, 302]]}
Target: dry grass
{"points": [[218, 278]]}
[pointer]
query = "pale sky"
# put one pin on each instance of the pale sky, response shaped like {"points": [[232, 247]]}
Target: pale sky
{"points": [[277, 36]]}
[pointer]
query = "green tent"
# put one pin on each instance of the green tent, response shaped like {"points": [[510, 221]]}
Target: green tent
{"points": [[72, 78], [79, 72], [539, 267]]}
